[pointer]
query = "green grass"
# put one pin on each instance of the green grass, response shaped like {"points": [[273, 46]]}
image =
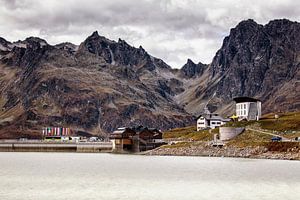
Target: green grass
{"points": [[249, 139], [255, 139], [190, 133], [286, 122], [179, 132], [287, 125], [239, 123]]}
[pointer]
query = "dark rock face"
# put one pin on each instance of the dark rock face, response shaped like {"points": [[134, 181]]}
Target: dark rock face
{"points": [[4, 45], [95, 88], [101, 84], [120, 53], [257, 61], [191, 70]]}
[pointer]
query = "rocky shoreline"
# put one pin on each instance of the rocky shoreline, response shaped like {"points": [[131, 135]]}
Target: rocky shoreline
{"points": [[205, 149]]}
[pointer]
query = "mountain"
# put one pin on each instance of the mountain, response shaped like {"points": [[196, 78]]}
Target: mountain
{"points": [[254, 60], [94, 87], [101, 84], [192, 70]]}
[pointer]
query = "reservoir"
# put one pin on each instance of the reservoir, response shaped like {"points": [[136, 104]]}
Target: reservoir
{"points": [[110, 176]]}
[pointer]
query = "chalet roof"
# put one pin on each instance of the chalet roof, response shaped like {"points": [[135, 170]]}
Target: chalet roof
{"points": [[245, 99], [142, 128], [136, 130], [213, 117], [121, 130]]}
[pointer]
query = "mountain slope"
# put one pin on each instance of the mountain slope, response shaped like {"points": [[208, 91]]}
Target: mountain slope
{"points": [[103, 84], [96, 87], [192, 70], [256, 61]]}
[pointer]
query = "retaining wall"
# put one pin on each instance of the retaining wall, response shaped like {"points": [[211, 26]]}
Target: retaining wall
{"points": [[228, 133]]}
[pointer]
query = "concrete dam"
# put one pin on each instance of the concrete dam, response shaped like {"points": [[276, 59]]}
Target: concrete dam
{"points": [[40, 146]]}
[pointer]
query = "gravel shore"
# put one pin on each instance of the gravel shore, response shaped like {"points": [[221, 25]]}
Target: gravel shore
{"points": [[205, 149]]}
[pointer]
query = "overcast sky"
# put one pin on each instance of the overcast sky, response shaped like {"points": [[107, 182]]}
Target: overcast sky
{"points": [[173, 30]]}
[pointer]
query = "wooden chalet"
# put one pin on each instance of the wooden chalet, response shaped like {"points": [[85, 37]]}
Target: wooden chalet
{"points": [[136, 139]]}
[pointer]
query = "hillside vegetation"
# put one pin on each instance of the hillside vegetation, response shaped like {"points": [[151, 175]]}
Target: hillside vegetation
{"points": [[287, 125], [190, 133]]}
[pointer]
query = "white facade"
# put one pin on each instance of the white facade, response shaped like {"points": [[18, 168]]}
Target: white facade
{"points": [[242, 109], [250, 110], [216, 123], [210, 121], [201, 123]]}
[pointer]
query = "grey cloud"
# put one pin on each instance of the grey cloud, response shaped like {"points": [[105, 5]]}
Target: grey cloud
{"points": [[179, 29]]}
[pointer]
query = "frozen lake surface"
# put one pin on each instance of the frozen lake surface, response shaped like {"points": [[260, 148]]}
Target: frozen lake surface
{"points": [[44, 176]]}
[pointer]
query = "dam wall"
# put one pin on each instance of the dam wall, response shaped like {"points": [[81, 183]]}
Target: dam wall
{"points": [[55, 147]]}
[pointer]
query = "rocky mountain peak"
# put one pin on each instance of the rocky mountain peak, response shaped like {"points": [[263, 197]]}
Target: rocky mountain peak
{"points": [[244, 31], [281, 28], [4, 45], [107, 84], [95, 34], [281, 23], [26, 53], [247, 23], [35, 41], [190, 62], [67, 46], [122, 41], [190, 69], [244, 28], [3, 41], [253, 60], [120, 53]]}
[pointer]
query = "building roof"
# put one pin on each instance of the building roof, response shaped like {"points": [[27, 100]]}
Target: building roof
{"points": [[120, 130], [133, 131], [142, 128], [245, 99], [213, 117]]}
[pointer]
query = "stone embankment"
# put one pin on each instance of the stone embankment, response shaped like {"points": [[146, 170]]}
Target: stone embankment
{"points": [[206, 149]]}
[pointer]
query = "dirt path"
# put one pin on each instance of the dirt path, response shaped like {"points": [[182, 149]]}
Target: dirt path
{"points": [[268, 133]]}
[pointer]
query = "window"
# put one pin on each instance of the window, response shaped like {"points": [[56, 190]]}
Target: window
{"points": [[213, 122], [218, 122]]}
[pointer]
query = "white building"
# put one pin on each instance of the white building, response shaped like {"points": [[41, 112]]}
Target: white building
{"points": [[209, 120], [248, 108]]}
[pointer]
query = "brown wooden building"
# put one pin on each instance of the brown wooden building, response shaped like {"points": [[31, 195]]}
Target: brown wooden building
{"points": [[136, 139]]}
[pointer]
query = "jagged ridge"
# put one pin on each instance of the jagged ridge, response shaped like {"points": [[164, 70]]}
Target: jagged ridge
{"points": [[103, 84]]}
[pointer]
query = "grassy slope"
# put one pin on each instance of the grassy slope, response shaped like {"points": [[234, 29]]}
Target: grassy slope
{"points": [[250, 139], [288, 123], [191, 133]]}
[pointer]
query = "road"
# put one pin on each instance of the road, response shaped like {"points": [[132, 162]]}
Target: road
{"points": [[284, 139]]}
